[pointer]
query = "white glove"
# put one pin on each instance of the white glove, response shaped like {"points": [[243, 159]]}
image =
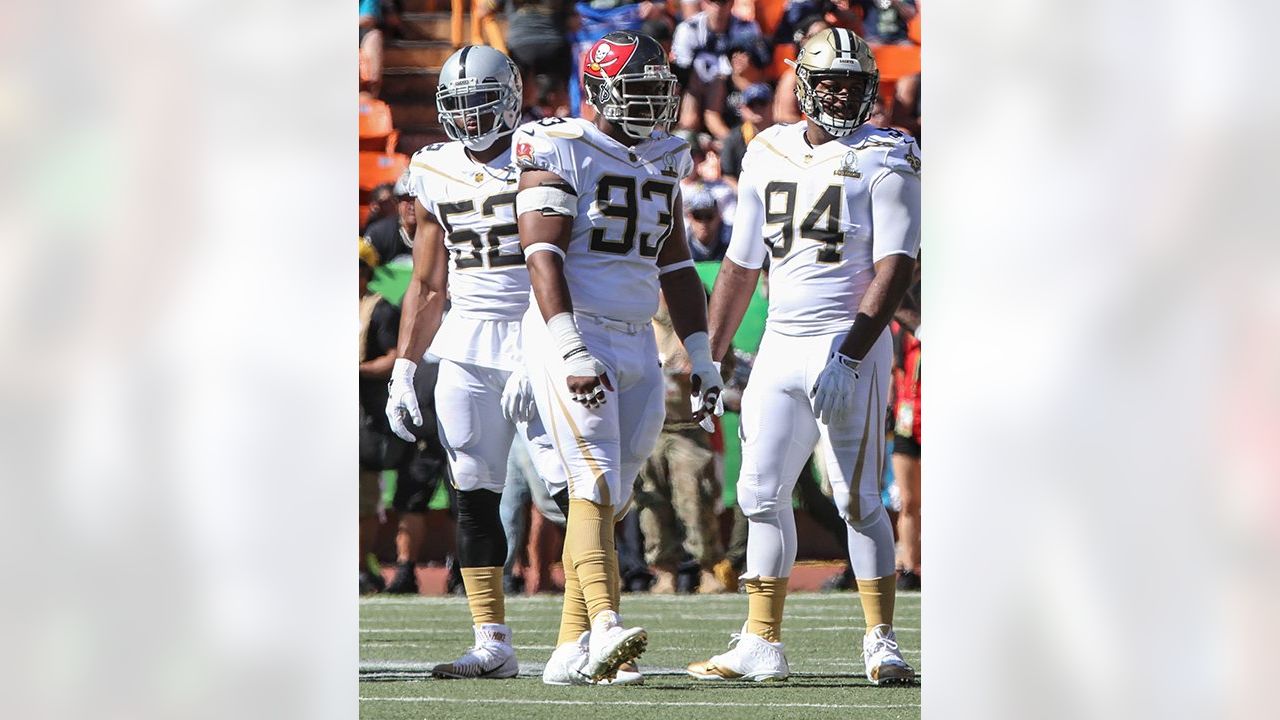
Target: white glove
{"points": [[705, 399], [402, 399], [578, 361], [517, 397], [583, 364], [832, 393]]}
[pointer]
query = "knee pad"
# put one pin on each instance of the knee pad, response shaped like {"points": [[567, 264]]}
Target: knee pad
{"points": [[482, 541], [754, 503]]}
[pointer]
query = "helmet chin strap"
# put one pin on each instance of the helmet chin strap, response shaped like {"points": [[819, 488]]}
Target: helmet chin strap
{"points": [[484, 142], [639, 132]]}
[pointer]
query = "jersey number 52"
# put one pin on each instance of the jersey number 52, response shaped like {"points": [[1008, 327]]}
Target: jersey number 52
{"points": [[469, 249]]}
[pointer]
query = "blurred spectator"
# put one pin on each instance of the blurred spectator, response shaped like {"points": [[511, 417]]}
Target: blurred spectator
{"points": [[757, 115], [707, 176], [538, 38], [708, 234], [884, 22], [906, 105], [786, 108], [679, 490], [485, 29], [799, 14], [524, 489], [419, 468], [371, 42], [419, 475], [877, 116], [660, 29], [392, 235], [906, 436], [632, 569], [382, 202], [376, 441], [545, 97], [700, 52]]}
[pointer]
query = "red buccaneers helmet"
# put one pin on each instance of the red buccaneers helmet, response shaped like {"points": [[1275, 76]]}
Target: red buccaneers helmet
{"points": [[628, 81]]}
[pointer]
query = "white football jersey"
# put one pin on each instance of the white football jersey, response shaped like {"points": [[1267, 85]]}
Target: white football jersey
{"points": [[823, 216], [476, 205], [626, 200], [488, 280]]}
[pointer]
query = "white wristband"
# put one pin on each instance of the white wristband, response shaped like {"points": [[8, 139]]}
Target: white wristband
{"points": [[564, 332], [698, 345]]}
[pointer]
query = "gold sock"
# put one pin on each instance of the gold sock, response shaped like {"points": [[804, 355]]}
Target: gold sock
{"points": [[877, 596], [615, 581], [765, 598], [587, 538], [573, 614], [484, 594]]}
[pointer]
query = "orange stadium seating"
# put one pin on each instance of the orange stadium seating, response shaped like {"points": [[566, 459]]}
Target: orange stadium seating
{"points": [[894, 62], [377, 168], [377, 132]]}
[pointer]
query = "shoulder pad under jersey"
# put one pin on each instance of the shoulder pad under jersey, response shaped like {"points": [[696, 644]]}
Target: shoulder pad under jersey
{"points": [[548, 144]]}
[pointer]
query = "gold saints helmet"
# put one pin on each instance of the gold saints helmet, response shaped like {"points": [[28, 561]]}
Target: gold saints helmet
{"points": [[836, 53]]}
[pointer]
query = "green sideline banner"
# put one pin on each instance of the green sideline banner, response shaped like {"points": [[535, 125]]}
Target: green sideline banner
{"points": [[391, 280]]}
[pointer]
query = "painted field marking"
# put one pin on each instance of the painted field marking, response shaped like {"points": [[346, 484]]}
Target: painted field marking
{"points": [[495, 701]]}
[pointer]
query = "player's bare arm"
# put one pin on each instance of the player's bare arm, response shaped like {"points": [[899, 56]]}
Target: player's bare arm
{"points": [[423, 306], [740, 269], [687, 302], [729, 300], [895, 209], [892, 280], [544, 237], [420, 316]]}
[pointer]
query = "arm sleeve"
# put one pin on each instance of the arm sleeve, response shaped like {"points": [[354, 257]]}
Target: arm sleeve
{"points": [[746, 245], [895, 215]]}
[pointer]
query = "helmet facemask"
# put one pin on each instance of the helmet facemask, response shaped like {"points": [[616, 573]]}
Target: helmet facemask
{"points": [[639, 103], [477, 112], [824, 106]]}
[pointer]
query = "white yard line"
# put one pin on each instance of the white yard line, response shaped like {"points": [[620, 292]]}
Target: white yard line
{"points": [[550, 599], [494, 701]]}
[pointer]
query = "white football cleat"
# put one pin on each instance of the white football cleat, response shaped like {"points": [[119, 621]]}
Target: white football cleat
{"points": [[627, 674], [564, 667], [750, 657], [492, 657], [883, 660], [610, 646]]}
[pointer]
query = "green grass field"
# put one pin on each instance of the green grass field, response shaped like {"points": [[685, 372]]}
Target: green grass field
{"points": [[401, 638]]}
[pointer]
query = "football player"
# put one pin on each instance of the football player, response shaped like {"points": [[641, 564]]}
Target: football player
{"points": [[466, 249], [600, 223], [834, 205]]}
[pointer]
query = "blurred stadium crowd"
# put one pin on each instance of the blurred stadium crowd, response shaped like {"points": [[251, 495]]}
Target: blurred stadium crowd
{"points": [[729, 55]]}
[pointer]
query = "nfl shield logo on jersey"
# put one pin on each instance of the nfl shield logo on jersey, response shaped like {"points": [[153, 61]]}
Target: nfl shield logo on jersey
{"points": [[849, 166]]}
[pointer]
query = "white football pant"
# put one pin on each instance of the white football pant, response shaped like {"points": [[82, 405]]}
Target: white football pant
{"points": [[779, 432]]}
